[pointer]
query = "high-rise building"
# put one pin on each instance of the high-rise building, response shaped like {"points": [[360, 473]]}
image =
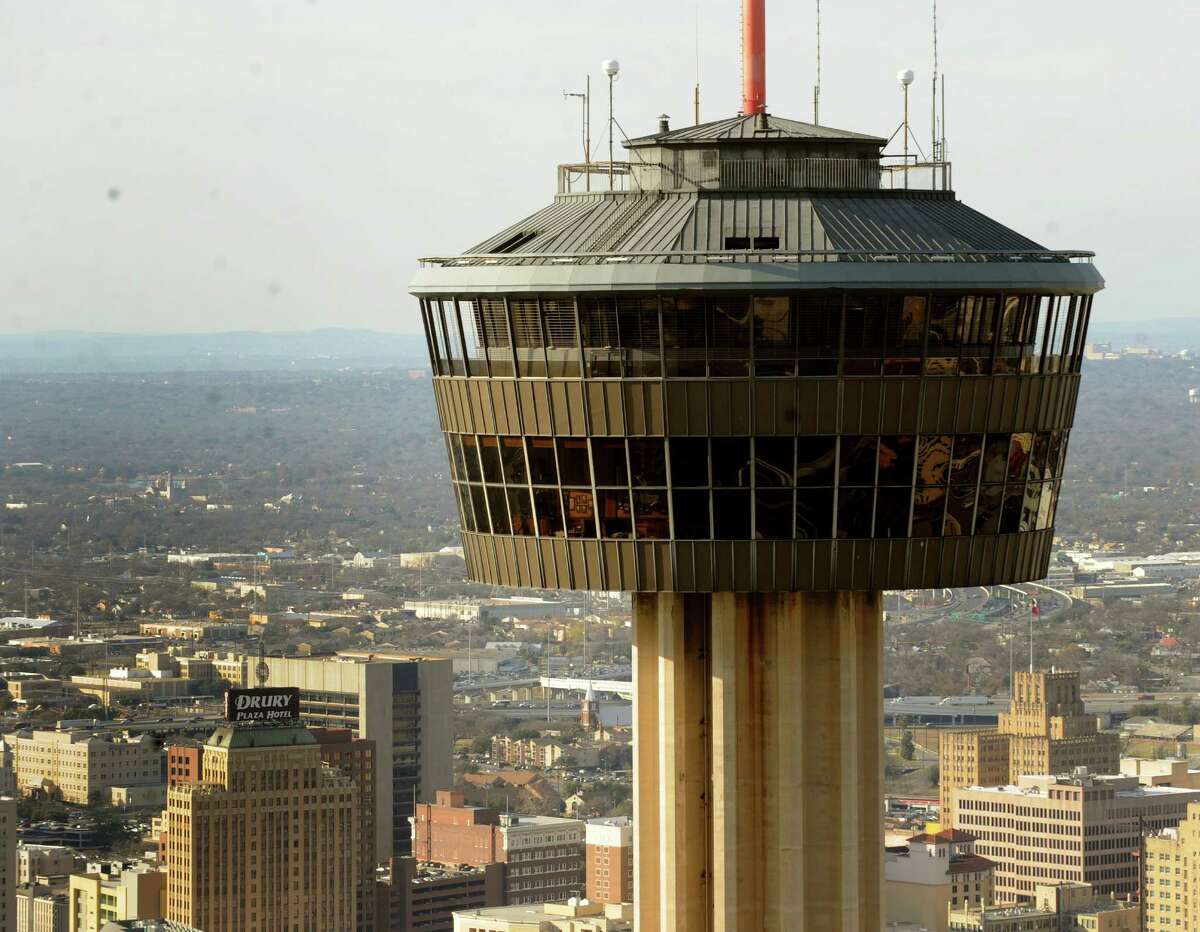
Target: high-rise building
{"points": [[1045, 731], [609, 865], [1172, 876], [1079, 828], [543, 856], [755, 377], [268, 839], [119, 892], [355, 757], [8, 862], [404, 706], [929, 874], [34, 861]]}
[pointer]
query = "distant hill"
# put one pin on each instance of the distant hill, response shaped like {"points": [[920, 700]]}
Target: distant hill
{"points": [[85, 352]]}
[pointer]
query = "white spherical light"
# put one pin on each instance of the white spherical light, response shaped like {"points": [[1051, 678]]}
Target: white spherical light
{"points": [[611, 66], [905, 76]]}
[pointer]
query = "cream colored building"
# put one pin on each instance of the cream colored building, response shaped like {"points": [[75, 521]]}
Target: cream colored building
{"points": [[231, 668], [573, 916], [8, 863], [125, 683], [267, 841], [1171, 771], [94, 899], [1064, 907], [1045, 730], [927, 875], [80, 767], [35, 861], [1173, 876], [41, 908], [1079, 828]]}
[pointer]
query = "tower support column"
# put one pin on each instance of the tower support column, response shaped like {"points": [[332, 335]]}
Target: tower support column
{"points": [[758, 761]]}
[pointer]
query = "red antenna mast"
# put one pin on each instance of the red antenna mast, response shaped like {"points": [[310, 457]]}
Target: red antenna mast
{"points": [[754, 56]]}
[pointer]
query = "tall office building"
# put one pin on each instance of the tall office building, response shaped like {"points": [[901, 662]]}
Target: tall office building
{"points": [[1045, 731], [1079, 828], [115, 892], [267, 840], [1171, 895], [355, 757], [404, 706], [764, 382]]}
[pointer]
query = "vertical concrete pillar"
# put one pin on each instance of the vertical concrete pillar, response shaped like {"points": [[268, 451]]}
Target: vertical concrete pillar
{"points": [[758, 762]]}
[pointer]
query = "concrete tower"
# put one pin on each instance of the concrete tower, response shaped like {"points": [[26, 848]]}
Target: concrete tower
{"points": [[765, 376]]}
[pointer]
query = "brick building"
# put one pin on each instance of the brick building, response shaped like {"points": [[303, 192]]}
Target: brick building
{"points": [[609, 865]]}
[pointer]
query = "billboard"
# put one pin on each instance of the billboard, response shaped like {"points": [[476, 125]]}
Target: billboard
{"points": [[275, 704]]}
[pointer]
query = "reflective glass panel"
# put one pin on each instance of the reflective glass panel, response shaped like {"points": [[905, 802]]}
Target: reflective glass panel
{"points": [[651, 521], [995, 458], [601, 339], [1029, 510], [638, 320], [573, 462], [527, 332], [814, 514], [773, 462], [728, 336], [499, 509], [773, 514], [616, 519], [1018, 456], [463, 493], [492, 320], [489, 454], [731, 461], [580, 513], [933, 459], [689, 461], [731, 515], [549, 512], [818, 323], [562, 338], [648, 461], [691, 515], [816, 461], [896, 460], [905, 338], [857, 463], [944, 335], [855, 508], [891, 512], [471, 455], [683, 336], [960, 510], [521, 511], [541, 461], [987, 512], [865, 328], [774, 337], [608, 461], [964, 466], [512, 459], [1014, 500], [929, 507], [479, 505], [456, 456]]}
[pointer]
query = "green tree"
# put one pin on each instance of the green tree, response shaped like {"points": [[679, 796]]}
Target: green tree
{"points": [[908, 747]]}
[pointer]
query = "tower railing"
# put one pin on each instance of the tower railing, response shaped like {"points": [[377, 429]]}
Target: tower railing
{"points": [[785, 256], [704, 170]]}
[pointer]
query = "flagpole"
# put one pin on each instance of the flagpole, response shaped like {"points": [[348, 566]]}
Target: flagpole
{"points": [[1033, 613]]}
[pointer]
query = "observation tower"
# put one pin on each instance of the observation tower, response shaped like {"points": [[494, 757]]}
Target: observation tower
{"points": [[756, 374]]}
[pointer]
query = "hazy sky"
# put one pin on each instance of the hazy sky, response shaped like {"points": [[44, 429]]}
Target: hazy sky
{"points": [[279, 164]]}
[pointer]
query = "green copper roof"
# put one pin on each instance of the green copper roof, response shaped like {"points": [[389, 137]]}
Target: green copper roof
{"points": [[231, 736]]}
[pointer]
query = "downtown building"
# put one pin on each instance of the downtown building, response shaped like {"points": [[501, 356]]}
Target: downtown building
{"points": [[267, 840], [929, 874], [1045, 731], [1171, 894], [404, 706], [609, 867], [82, 767], [543, 856], [1078, 828], [1057, 907]]}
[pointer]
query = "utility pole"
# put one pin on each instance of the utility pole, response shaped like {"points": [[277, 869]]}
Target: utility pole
{"points": [[611, 68]]}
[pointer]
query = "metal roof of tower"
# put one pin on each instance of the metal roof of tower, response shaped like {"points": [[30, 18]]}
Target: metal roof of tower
{"points": [[753, 127]]}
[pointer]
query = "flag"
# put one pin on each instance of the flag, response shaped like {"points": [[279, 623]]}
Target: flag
{"points": [[1036, 611]]}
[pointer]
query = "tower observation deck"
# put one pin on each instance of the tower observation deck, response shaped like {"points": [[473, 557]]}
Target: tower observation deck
{"points": [[769, 377]]}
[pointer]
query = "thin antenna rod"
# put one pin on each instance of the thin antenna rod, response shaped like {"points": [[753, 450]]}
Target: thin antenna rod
{"points": [[933, 124], [696, 90], [817, 86]]}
